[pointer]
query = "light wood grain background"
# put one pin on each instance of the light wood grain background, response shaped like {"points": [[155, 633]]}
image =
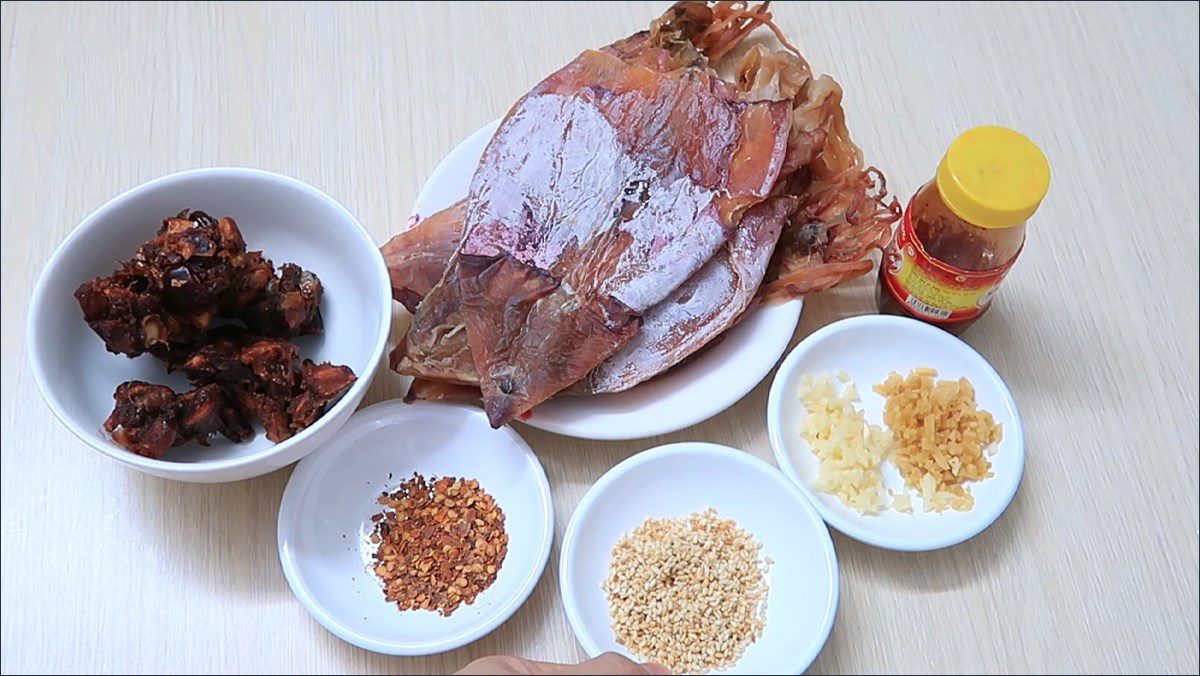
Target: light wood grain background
{"points": [[1094, 566]]}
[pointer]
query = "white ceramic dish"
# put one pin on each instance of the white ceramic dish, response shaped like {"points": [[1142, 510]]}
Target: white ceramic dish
{"points": [[868, 348], [324, 522], [676, 480], [688, 394], [290, 222]]}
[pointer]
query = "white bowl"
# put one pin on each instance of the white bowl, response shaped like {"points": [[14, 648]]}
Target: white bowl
{"points": [[688, 394], [868, 348], [676, 480], [291, 223], [324, 522]]}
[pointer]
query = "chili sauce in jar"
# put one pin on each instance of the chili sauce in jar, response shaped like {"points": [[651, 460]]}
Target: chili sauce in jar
{"points": [[963, 230]]}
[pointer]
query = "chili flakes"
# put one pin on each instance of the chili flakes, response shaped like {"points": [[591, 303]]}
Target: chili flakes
{"points": [[440, 543]]}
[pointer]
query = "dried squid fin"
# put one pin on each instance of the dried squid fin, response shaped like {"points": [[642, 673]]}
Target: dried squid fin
{"points": [[435, 346], [543, 339], [423, 389], [417, 257]]}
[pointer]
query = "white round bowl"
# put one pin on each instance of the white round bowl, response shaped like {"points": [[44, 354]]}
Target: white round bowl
{"points": [[291, 223], [707, 384], [325, 526], [868, 348], [676, 480]]}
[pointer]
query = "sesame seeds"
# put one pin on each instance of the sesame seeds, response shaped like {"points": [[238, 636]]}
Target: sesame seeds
{"points": [[689, 593]]}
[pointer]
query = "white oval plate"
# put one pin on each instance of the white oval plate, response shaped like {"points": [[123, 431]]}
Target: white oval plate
{"points": [[685, 395], [676, 480], [324, 522], [868, 348]]}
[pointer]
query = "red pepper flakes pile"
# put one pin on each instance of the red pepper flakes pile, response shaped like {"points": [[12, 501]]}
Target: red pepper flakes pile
{"points": [[440, 543]]}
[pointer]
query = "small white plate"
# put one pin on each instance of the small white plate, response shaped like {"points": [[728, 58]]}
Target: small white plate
{"points": [[324, 522], [676, 480], [696, 391], [868, 348]]}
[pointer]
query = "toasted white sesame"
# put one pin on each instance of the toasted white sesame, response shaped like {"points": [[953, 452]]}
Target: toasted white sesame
{"points": [[689, 593]]}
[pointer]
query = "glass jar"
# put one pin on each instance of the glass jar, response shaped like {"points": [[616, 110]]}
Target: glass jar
{"points": [[963, 230]]}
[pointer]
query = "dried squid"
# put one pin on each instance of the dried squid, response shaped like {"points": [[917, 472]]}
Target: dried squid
{"points": [[632, 207]]}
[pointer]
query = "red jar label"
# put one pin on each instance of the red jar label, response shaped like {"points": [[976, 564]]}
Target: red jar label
{"points": [[930, 288]]}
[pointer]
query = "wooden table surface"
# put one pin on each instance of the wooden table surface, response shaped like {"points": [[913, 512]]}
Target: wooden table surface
{"points": [[1093, 567]]}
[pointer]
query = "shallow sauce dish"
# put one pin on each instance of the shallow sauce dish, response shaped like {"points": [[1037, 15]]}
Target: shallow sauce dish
{"points": [[687, 394], [868, 348], [676, 480], [324, 522], [286, 219]]}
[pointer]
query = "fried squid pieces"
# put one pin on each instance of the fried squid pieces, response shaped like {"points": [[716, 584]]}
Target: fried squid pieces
{"points": [[164, 301]]}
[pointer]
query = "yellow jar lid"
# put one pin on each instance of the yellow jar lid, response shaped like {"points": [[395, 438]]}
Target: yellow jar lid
{"points": [[993, 177]]}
